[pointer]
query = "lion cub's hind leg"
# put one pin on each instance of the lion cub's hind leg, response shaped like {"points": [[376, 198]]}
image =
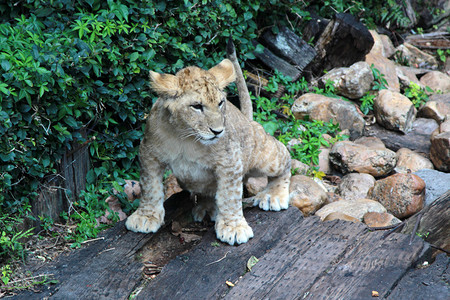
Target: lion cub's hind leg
{"points": [[275, 162], [276, 195], [204, 205]]}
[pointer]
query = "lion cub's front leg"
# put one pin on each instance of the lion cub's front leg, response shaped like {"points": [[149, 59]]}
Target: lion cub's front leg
{"points": [[231, 226], [150, 215]]}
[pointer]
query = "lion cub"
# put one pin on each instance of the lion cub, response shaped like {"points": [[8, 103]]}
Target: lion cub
{"points": [[210, 146]]}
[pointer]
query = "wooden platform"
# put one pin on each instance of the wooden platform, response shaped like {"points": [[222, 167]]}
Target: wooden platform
{"points": [[299, 258]]}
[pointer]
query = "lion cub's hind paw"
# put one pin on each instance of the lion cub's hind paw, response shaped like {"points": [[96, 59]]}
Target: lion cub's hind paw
{"points": [[234, 234], [268, 200], [140, 223]]}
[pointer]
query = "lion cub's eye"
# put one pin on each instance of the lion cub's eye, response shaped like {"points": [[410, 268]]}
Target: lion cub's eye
{"points": [[221, 103], [197, 107]]}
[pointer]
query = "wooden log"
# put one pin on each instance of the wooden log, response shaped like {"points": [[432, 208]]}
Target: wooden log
{"points": [[314, 28], [276, 63], [433, 223], [203, 272], [111, 267], [344, 41], [335, 260], [425, 282], [290, 47], [63, 187]]}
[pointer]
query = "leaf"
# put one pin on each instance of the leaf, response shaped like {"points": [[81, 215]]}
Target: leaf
{"points": [[270, 127], [134, 56], [252, 261]]}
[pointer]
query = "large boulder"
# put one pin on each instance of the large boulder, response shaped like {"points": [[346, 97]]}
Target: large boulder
{"points": [[352, 82], [394, 111], [350, 157], [320, 107], [402, 194]]}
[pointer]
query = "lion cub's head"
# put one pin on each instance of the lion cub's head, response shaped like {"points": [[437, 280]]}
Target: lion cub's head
{"points": [[195, 101]]}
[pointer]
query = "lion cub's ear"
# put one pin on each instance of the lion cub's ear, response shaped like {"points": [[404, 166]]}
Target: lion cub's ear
{"points": [[224, 73], [164, 84]]}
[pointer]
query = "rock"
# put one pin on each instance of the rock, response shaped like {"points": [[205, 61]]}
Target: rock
{"points": [[416, 57], [254, 185], [355, 186], [333, 197], [340, 216], [371, 142], [384, 65], [375, 219], [437, 183], [418, 139], [437, 107], [299, 168], [402, 194], [445, 126], [351, 157], [409, 161], [352, 82], [437, 81], [406, 75], [306, 194], [324, 161], [394, 111], [320, 107], [440, 151], [388, 46], [171, 186], [353, 208]]}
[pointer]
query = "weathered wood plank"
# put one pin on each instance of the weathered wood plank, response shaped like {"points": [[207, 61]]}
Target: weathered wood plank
{"points": [[276, 63], [430, 282], [434, 223], [374, 264], [289, 46], [288, 270], [106, 268], [202, 273]]}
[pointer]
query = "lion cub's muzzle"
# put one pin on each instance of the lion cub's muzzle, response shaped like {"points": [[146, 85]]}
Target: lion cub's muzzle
{"points": [[212, 137]]}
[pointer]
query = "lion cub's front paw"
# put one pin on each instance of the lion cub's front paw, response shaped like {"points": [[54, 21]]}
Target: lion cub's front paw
{"points": [[138, 222], [234, 231], [272, 199]]}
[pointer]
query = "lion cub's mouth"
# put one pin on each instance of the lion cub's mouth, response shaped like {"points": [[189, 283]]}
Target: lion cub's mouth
{"points": [[211, 140]]}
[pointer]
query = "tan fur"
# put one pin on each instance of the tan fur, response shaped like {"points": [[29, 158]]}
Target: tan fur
{"points": [[210, 146]]}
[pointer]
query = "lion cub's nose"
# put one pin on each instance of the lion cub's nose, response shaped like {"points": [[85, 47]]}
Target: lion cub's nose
{"points": [[216, 132]]}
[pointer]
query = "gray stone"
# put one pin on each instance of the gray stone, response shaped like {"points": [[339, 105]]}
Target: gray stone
{"points": [[437, 183]]}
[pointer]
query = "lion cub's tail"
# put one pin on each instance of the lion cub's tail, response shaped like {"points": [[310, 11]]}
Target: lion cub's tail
{"points": [[244, 96]]}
